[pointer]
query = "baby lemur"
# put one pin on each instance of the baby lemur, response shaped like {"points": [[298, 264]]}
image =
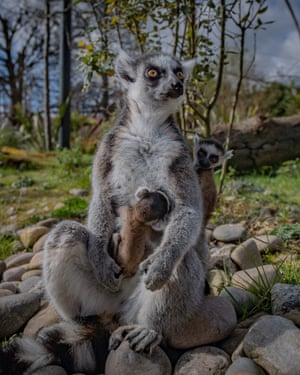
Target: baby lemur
{"points": [[144, 148], [208, 154], [130, 245]]}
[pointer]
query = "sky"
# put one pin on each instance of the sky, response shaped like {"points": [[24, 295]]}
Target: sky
{"points": [[278, 47]]}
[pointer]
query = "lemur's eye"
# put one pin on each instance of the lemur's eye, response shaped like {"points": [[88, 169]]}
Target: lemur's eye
{"points": [[202, 153], [213, 158], [152, 73], [180, 75]]}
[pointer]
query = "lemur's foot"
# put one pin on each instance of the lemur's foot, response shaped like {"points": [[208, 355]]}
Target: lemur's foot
{"points": [[140, 339]]}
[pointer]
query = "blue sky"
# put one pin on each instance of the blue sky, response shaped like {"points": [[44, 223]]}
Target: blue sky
{"points": [[278, 47]]}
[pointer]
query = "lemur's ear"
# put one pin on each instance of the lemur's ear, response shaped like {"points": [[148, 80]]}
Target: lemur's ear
{"points": [[229, 154], [124, 67], [188, 66], [196, 139]]}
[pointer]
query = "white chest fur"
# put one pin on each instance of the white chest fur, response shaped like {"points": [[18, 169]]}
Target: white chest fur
{"points": [[143, 156]]}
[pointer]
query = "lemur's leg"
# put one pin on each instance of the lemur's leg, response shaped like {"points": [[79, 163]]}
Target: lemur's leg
{"points": [[69, 278]]}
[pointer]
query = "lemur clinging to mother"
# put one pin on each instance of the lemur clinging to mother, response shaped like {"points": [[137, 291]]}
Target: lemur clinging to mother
{"points": [[207, 155], [82, 280]]}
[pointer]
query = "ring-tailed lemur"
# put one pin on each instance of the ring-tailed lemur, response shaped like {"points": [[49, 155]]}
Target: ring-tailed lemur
{"points": [[144, 148], [208, 154]]}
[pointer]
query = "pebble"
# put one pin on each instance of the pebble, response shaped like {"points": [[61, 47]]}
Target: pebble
{"points": [[246, 255], [30, 235], [244, 366], [268, 242], [286, 301], [50, 370], [127, 362], [14, 273], [29, 283], [230, 232], [253, 276], [204, 360], [273, 343], [15, 311], [18, 259], [242, 300]]}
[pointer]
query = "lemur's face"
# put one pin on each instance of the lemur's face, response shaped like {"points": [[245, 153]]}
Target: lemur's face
{"points": [[208, 154], [154, 79]]}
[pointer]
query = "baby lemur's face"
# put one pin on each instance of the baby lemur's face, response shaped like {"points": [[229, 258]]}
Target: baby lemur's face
{"points": [[154, 79], [208, 153]]}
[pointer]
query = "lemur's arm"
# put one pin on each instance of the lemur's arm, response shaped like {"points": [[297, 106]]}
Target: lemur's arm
{"points": [[101, 221], [183, 229]]}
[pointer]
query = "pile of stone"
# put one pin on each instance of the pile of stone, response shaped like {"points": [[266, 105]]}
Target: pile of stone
{"points": [[262, 344]]}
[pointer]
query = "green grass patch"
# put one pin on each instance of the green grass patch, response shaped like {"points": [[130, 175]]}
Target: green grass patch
{"points": [[287, 232], [73, 208], [7, 245]]}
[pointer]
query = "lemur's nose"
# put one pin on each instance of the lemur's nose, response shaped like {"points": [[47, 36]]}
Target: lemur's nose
{"points": [[177, 86]]}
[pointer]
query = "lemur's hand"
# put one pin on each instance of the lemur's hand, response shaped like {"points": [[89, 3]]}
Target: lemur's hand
{"points": [[157, 271], [106, 270]]}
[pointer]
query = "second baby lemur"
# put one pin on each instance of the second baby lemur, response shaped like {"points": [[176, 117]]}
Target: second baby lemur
{"points": [[208, 153]]}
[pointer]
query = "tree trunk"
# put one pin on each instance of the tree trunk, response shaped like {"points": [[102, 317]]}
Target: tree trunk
{"points": [[47, 119], [260, 141]]}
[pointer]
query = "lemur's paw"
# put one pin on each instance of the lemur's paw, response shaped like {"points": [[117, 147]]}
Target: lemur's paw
{"points": [[140, 339], [107, 272], [157, 272], [110, 275]]}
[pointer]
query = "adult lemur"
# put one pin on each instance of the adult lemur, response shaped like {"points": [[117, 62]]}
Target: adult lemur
{"points": [[208, 154], [144, 148]]}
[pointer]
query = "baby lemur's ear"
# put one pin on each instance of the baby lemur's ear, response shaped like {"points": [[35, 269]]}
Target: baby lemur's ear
{"points": [[188, 66], [229, 154], [196, 139], [124, 67]]}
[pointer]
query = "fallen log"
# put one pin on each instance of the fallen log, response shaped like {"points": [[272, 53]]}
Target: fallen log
{"points": [[261, 141]]}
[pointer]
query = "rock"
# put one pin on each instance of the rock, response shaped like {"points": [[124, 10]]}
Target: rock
{"points": [[16, 310], [242, 300], [50, 370], [79, 192], [230, 232], [214, 321], [273, 343], [286, 301], [28, 274], [39, 245], [10, 285], [221, 258], [9, 229], [14, 273], [29, 283], [30, 235], [268, 242], [45, 317], [246, 255], [18, 259], [36, 261], [250, 278], [205, 360], [5, 292], [49, 223], [127, 362], [230, 344], [217, 279], [2, 268], [244, 366]]}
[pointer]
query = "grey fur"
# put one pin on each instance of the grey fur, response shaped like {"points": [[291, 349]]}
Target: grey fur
{"points": [[144, 148]]}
